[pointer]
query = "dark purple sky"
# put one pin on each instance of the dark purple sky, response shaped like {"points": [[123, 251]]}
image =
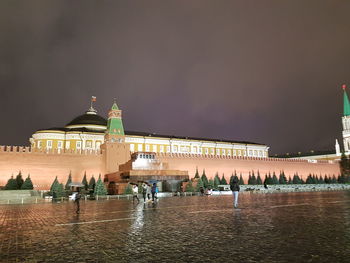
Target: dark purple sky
{"points": [[262, 71]]}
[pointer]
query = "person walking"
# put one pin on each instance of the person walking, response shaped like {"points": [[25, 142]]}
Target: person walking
{"points": [[135, 192], [144, 191], [234, 186], [77, 201], [154, 191]]}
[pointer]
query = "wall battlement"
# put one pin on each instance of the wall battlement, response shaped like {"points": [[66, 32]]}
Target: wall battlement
{"points": [[30, 150], [268, 159]]}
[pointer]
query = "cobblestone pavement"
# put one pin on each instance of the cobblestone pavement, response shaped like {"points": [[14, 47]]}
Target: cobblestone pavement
{"points": [[285, 227]]}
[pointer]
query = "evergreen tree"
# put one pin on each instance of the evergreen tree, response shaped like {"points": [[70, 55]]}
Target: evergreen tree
{"points": [[249, 179], [309, 179], [100, 188], [57, 190], [11, 184], [223, 180], [296, 179], [85, 182], [204, 180], [189, 187], [199, 185], [290, 180], [53, 186], [69, 181], [197, 174], [258, 180], [27, 185], [241, 181], [211, 183], [19, 180], [282, 178], [128, 190], [334, 180], [274, 178], [321, 180], [326, 180], [92, 183], [254, 182], [216, 182], [341, 179], [269, 179]]}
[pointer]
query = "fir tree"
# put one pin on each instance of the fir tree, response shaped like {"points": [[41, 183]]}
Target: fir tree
{"points": [[53, 186], [92, 183], [11, 184], [205, 179], [189, 187], [334, 180], [269, 179], [309, 179], [258, 180], [211, 183], [57, 190], [199, 185], [253, 181], [27, 185], [85, 182], [282, 178], [100, 188], [216, 182], [223, 180], [241, 181], [274, 178], [249, 179], [69, 181], [19, 180], [290, 180], [197, 174], [128, 190]]}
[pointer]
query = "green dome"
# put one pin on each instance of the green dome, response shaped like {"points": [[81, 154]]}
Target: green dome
{"points": [[90, 118]]}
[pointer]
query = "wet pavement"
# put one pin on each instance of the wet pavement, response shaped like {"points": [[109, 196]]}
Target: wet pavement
{"points": [[283, 227]]}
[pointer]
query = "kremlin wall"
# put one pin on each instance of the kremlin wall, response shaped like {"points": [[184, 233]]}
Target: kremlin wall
{"points": [[93, 145]]}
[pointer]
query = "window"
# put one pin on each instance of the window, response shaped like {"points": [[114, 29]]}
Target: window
{"points": [[155, 148], [98, 145], [49, 144], [217, 152], [161, 148], [132, 147], [212, 151], [223, 152], [147, 148], [139, 147], [195, 149], [88, 144], [250, 153], [206, 151], [39, 144], [228, 152], [59, 144], [168, 149], [67, 144], [78, 145], [175, 148], [239, 152]]}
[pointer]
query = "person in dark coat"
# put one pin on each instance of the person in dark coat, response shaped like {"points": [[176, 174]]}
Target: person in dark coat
{"points": [[77, 201], [154, 191], [234, 186]]}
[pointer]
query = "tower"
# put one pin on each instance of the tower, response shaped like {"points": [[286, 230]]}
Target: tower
{"points": [[346, 122], [115, 150]]}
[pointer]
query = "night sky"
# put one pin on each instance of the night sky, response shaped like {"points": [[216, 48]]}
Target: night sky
{"points": [[263, 71]]}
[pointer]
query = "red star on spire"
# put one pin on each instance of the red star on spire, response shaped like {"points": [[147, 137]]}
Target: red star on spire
{"points": [[343, 86]]}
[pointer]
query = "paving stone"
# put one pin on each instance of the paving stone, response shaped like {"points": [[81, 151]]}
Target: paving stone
{"points": [[281, 227]]}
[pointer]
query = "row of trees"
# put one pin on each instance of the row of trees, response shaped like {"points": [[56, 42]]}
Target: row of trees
{"points": [[93, 187], [204, 182], [18, 183]]}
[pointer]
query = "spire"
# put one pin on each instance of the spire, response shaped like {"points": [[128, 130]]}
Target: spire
{"points": [[115, 124], [346, 103]]}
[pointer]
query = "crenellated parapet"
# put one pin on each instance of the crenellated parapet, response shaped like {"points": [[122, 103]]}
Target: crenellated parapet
{"points": [[30, 150], [268, 159]]}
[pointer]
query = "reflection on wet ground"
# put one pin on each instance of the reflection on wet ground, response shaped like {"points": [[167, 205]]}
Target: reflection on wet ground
{"points": [[285, 227]]}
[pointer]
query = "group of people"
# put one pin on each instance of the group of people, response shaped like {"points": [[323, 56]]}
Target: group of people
{"points": [[147, 192]]}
